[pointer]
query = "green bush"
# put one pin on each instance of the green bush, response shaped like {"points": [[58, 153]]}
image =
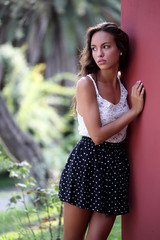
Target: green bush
{"points": [[42, 210]]}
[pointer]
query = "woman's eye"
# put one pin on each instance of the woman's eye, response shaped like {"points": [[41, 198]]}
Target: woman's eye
{"points": [[106, 46], [93, 48]]}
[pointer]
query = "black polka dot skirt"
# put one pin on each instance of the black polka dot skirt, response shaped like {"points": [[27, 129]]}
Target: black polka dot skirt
{"points": [[96, 177]]}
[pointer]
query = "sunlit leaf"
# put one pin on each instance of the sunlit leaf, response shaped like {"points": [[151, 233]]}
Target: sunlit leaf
{"points": [[21, 185]]}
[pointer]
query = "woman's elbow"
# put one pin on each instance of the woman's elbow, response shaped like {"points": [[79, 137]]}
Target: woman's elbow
{"points": [[97, 137], [97, 140]]}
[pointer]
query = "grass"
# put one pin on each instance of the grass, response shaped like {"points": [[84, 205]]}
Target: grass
{"points": [[14, 226], [116, 230]]}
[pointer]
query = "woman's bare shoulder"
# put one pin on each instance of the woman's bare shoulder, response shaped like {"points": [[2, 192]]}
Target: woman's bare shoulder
{"points": [[85, 84]]}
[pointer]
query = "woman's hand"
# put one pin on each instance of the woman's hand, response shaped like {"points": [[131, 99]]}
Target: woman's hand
{"points": [[137, 97]]}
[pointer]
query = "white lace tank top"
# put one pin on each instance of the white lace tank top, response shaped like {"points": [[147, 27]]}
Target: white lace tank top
{"points": [[109, 112]]}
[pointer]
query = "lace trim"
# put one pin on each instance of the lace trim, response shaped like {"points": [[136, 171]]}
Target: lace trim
{"points": [[109, 112]]}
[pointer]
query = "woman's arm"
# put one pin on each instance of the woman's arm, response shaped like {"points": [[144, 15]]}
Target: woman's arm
{"points": [[88, 109]]}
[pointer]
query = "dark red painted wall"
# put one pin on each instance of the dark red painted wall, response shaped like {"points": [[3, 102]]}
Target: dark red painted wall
{"points": [[141, 20]]}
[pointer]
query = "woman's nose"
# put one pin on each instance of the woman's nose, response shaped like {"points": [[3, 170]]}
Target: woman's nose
{"points": [[99, 52]]}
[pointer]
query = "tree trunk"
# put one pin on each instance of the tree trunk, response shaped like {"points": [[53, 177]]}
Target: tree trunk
{"points": [[20, 145]]}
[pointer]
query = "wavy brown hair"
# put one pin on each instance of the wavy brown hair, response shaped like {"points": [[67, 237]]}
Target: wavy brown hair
{"points": [[87, 62]]}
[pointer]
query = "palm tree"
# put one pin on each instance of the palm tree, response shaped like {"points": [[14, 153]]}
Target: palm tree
{"points": [[53, 29]]}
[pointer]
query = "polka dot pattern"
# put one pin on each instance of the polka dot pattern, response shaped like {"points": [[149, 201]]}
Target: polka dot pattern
{"points": [[96, 177]]}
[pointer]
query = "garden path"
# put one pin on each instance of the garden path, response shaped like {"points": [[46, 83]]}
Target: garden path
{"points": [[5, 195]]}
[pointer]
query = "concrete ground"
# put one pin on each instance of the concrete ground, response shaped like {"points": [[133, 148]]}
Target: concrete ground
{"points": [[5, 195]]}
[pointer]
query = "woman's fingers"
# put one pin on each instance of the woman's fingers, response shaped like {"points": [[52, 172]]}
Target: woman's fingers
{"points": [[137, 96], [142, 92], [138, 88]]}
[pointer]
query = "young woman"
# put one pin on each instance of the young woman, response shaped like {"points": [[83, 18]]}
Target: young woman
{"points": [[94, 182]]}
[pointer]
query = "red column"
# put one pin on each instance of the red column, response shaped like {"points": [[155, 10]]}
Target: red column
{"points": [[141, 20]]}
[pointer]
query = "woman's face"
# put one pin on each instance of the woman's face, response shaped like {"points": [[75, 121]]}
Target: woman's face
{"points": [[104, 50]]}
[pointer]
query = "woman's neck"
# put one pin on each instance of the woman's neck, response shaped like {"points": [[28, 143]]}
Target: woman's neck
{"points": [[107, 76]]}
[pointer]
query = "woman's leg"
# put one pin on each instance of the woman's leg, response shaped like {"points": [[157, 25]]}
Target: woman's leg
{"points": [[100, 226], [75, 222]]}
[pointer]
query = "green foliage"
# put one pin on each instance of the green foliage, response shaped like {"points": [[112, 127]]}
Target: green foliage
{"points": [[14, 226], [5, 164], [5, 182], [53, 30], [45, 202], [116, 230], [4, 160], [39, 106], [31, 99], [23, 13]]}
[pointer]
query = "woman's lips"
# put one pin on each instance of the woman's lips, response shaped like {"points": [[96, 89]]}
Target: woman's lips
{"points": [[101, 61]]}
